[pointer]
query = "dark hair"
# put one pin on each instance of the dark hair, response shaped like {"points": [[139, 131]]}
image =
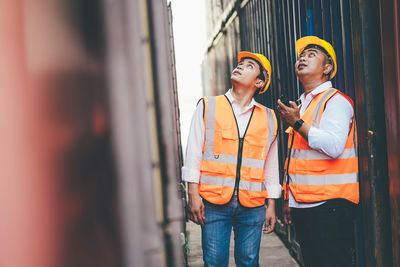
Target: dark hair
{"points": [[261, 76]]}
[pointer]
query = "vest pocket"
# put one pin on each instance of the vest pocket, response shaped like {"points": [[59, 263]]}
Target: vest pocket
{"points": [[308, 193], [210, 193], [261, 196], [225, 141], [210, 189], [211, 167], [255, 147], [257, 174], [229, 133]]}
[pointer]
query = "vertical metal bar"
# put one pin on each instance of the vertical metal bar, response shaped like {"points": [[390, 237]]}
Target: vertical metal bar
{"points": [[310, 17], [293, 54], [303, 17], [323, 19], [296, 15], [337, 44], [318, 18], [252, 28], [343, 44], [348, 51], [257, 25]]}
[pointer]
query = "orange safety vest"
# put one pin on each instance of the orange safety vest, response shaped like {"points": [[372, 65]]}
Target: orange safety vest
{"points": [[229, 160], [314, 176]]}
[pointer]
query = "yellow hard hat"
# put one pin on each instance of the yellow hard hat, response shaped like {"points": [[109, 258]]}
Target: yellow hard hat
{"points": [[303, 42], [264, 63]]}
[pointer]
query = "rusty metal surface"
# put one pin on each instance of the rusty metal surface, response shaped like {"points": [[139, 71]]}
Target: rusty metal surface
{"points": [[390, 14], [370, 112]]}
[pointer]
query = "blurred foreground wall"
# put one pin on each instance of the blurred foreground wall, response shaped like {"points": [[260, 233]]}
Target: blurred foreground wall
{"points": [[365, 35], [90, 148]]}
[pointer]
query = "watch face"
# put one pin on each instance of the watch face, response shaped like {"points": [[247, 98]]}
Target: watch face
{"points": [[298, 124]]}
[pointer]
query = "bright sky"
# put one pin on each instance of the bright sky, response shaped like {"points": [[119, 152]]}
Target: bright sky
{"points": [[189, 35]]}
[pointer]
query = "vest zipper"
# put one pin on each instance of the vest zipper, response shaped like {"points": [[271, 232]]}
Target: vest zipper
{"points": [[238, 165], [241, 139]]}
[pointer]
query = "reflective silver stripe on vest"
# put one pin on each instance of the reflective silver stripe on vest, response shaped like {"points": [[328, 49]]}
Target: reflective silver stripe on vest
{"points": [[253, 163], [229, 182], [348, 153], [329, 179], [223, 158], [218, 181], [271, 128], [231, 159], [315, 120], [210, 125], [252, 186]]}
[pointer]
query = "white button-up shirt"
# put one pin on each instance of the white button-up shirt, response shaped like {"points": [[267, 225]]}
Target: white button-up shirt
{"points": [[331, 136], [191, 168]]}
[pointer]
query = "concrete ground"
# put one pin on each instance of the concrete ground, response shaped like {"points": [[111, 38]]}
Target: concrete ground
{"points": [[273, 252]]}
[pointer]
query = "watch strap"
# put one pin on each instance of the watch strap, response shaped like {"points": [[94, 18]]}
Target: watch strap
{"points": [[297, 124]]}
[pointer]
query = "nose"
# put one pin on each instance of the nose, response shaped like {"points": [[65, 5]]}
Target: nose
{"points": [[302, 58]]}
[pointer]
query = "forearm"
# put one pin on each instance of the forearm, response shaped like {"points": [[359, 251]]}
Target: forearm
{"points": [[271, 203], [271, 172], [193, 189], [196, 206], [304, 130]]}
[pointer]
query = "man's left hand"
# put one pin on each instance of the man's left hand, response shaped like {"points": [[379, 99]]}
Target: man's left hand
{"points": [[288, 115]]}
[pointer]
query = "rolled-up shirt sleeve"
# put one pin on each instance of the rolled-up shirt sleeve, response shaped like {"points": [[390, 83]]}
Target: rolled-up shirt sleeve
{"points": [[331, 136], [191, 168], [271, 171]]}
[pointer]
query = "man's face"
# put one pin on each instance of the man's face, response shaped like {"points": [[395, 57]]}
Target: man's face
{"points": [[312, 62], [246, 73]]}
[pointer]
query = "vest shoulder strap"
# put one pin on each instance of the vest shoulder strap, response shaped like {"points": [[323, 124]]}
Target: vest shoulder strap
{"points": [[203, 101]]}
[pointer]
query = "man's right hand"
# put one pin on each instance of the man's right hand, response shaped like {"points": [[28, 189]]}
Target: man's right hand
{"points": [[287, 213], [196, 206]]}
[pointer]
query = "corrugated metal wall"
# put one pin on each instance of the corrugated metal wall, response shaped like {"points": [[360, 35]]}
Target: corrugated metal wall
{"points": [[145, 131], [271, 27]]}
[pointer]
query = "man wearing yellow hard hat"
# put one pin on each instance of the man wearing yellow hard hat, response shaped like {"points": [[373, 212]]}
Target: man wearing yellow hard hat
{"points": [[232, 166], [321, 172]]}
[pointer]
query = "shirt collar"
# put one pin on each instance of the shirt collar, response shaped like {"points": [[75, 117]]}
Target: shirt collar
{"points": [[232, 99], [319, 89]]}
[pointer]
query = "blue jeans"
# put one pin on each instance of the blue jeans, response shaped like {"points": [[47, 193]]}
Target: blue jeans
{"points": [[247, 226]]}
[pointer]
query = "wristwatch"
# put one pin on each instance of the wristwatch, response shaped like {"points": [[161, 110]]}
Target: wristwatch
{"points": [[297, 125]]}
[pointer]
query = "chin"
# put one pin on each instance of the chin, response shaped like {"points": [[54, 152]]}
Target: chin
{"points": [[301, 72]]}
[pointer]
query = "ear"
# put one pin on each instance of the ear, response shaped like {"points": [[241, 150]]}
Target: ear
{"points": [[327, 68], [259, 83]]}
